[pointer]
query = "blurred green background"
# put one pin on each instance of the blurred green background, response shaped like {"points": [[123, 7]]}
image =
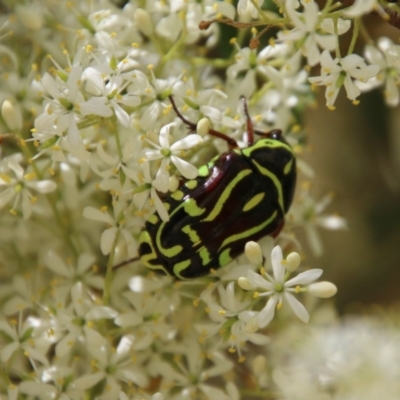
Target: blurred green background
{"points": [[355, 151]]}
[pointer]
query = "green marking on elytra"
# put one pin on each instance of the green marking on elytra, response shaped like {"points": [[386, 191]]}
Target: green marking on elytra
{"points": [[168, 252], [147, 259], [225, 194], [193, 236], [180, 267], [177, 195], [288, 167], [191, 208], [145, 237], [274, 179], [153, 219], [224, 257], [265, 143], [191, 184], [204, 171], [204, 255], [253, 201], [249, 232]]}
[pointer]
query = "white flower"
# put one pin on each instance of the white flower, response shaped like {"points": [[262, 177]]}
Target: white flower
{"points": [[117, 230], [246, 8], [279, 288], [207, 10], [338, 72], [17, 185], [20, 336], [356, 358], [361, 7], [170, 153], [112, 90], [76, 321], [310, 215], [305, 30], [148, 188], [67, 275], [54, 382], [387, 56], [190, 368], [158, 93], [66, 105], [123, 163], [114, 365], [233, 320]]}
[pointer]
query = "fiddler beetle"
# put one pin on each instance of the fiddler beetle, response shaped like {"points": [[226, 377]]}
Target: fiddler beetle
{"points": [[240, 195]]}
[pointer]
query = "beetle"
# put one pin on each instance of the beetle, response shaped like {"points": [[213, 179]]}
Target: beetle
{"points": [[240, 195]]}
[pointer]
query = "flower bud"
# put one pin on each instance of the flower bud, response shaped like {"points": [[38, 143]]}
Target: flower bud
{"points": [[253, 253], [30, 16], [259, 365], [173, 183], [244, 283], [292, 261], [143, 21], [11, 115], [322, 289], [203, 126]]}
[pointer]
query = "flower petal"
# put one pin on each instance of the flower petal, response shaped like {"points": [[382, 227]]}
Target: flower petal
{"points": [[305, 278], [267, 313], [297, 307], [187, 142], [186, 169], [258, 281], [277, 266]]}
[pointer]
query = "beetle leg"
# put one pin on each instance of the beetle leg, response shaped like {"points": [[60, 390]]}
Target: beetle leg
{"points": [[126, 262], [232, 144], [249, 122]]}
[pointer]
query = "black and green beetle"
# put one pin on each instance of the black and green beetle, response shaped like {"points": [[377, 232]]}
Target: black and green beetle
{"points": [[240, 195]]}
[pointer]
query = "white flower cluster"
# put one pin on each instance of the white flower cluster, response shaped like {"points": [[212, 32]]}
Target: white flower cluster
{"points": [[91, 145], [354, 358]]}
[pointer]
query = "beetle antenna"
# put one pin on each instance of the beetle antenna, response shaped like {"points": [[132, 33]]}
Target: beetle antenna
{"points": [[126, 262], [193, 127], [272, 134], [249, 122]]}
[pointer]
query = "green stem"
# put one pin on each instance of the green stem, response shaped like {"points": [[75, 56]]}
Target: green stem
{"points": [[215, 62], [109, 274], [171, 54], [356, 29]]}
